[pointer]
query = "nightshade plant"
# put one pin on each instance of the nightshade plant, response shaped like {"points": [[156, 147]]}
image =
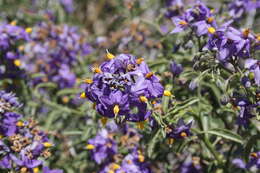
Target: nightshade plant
{"points": [[181, 94], [23, 145]]}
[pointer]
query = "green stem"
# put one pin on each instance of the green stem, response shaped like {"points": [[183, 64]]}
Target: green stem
{"points": [[212, 150]]}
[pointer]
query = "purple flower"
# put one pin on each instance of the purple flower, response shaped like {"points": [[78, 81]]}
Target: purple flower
{"points": [[181, 24], [102, 146], [180, 130], [8, 123], [237, 8], [12, 38], [253, 66], [239, 163], [191, 166], [132, 163], [254, 161], [245, 108], [135, 163], [174, 8], [8, 101], [68, 5], [175, 68]]}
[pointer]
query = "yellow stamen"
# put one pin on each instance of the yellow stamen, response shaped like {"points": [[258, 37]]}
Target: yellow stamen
{"points": [[83, 95], [149, 75], [211, 30], [17, 63], [195, 160], [183, 134], [111, 171], [47, 144], [1, 136], [88, 81], [258, 38], [110, 56], [141, 158], [167, 93], [139, 60], [65, 99], [90, 147], [97, 70], [140, 125], [21, 48], [116, 110], [28, 30], [129, 161], [94, 105], [19, 124], [36, 170], [115, 166], [154, 102], [254, 154], [246, 32], [170, 141], [183, 22], [104, 121], [210, 19], [143, 99], [23, 170], [14, 22]]}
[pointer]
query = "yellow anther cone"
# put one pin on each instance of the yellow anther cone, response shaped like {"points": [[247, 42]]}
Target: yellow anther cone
{"points": [[116, 110]]}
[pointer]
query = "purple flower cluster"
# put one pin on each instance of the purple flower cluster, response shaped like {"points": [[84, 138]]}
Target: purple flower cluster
{"points": [[122, 87], [228, 42], [105, 150], [174, 8], [254, 161], [198, 18], [237, 8], [231, 43], [11, 39], [53, 51], [23, 145]]}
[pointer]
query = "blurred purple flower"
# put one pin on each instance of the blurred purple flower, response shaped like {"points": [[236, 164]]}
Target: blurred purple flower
{"points": [[237, 8], [175, 68], [68, 5], [191, 166]]}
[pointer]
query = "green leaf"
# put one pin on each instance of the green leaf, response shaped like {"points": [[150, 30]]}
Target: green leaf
{"points": [[67, 91], [226, 134], [152, 143]]}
